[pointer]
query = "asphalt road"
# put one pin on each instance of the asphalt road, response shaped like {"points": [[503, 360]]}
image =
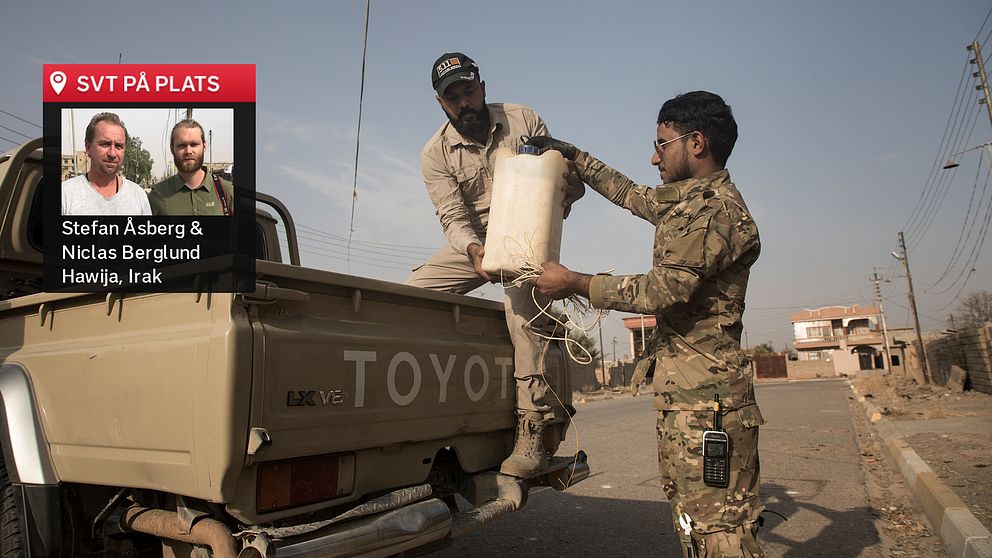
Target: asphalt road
{"points": [[811, 473]]}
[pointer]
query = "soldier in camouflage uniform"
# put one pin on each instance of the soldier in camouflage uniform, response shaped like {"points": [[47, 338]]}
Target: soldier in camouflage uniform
{"points": [[705, 243]]}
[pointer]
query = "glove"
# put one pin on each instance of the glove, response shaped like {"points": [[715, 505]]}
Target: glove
{"points": [[547, 142]]}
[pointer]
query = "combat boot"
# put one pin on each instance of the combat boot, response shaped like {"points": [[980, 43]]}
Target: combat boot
{"points": [[528, 455]]}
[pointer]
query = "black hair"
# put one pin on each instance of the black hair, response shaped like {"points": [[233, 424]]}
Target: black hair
{"points": [[704, 112]]}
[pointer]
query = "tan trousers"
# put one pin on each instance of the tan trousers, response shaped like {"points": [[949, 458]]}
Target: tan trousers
{"points": [[452, 272]]}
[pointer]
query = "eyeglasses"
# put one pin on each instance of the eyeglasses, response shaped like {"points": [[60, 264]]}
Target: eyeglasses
{"points": [[660, 147]]}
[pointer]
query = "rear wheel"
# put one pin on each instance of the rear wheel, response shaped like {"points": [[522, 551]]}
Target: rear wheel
{"points": [[11, 541]]}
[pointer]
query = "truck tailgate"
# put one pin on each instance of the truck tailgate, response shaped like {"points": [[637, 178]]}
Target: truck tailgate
{"points": [[389, 372], [363, 363]]}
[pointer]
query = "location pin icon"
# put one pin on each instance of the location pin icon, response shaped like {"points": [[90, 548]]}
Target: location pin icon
{"points": [[57, 79]]}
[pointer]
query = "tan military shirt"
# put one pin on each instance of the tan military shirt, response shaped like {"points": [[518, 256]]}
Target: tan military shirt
{"points": [[458, 171], [173, 197], [705, 243]]}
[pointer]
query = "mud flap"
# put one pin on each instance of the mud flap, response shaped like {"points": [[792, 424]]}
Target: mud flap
{"points": [[40, 518]]}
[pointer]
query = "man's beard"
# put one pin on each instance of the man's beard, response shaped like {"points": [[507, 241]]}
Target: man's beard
{"points": [[475, 127], [680, 171], [188, 165]]}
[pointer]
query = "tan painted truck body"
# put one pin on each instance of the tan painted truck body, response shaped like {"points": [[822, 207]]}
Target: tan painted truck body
{"points": [[218, 408]]}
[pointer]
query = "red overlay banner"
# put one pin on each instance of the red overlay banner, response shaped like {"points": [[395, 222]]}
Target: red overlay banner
{"points": [[148, 83]]}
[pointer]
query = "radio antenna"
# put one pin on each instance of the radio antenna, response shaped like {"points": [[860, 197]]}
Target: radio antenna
{"points": [[358, 135]]}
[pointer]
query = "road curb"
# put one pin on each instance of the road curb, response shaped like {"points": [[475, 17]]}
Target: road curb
{"points": [[963, 534]]}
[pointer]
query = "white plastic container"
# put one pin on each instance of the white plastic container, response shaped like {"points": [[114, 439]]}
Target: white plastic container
{"points": [[525, 214]]}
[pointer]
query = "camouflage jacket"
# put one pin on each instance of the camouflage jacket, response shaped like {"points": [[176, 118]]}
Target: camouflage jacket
{"points": [[705, 243]]}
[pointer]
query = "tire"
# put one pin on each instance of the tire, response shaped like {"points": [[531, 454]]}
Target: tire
{"points": [[11, 540]]}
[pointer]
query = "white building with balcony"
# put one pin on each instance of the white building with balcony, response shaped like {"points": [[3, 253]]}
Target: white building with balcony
{"points": [[848, 336]]}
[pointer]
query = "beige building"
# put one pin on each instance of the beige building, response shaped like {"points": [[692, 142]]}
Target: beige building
{"points": [[830, 341], [71, 166], [640, 329], [849, 337]]}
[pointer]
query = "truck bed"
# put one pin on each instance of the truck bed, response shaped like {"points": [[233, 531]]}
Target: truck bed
{"points": [[191, 393]]}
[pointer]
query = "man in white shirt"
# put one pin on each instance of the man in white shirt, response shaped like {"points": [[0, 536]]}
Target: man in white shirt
{"points": [[101, 190]]}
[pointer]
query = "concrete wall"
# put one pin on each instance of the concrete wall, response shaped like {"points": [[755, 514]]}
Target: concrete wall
{"points": [[589, 377], [804, 369], [584, 377], [970, 349], [620, 373], [846, 363]]}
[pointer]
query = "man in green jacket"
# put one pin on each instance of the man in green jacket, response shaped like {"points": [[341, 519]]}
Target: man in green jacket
{"points": [[194, 190], [705, 243]]}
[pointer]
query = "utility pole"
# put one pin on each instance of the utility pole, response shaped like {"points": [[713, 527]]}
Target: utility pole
{"points": [[602, 363], [912, 305], [881, 312], [210, 144], [984, 87], [75, 158], [623, 381], [643, 340], [189, 114]]}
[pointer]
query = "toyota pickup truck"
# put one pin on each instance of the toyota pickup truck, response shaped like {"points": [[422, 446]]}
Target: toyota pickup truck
{"points": [[321, 414]]}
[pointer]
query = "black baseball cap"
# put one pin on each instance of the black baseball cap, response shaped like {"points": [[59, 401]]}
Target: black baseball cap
{"points": [[452, 67]]}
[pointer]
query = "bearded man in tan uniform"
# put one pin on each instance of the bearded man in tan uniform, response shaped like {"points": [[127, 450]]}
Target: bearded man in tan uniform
{"points": [[457, 166]]}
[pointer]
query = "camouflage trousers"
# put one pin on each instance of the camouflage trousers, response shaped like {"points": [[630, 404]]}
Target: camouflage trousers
{"points": [[711, 522], [452, 272]]}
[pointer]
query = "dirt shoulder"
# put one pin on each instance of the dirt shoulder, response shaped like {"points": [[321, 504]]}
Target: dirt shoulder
{"points": [[902, 527], [949, 430]]}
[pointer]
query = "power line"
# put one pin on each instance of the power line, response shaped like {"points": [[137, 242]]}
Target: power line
{"points": [[975, 250], [983, 27], [10, 140], [938, 159], [944, 187], [958, 294], [19, 118], [908, 311], [355, 259], [428, 250], [819, 301], [969, 266], [15, 131], [954, 147], [406, 259], [368, 259], [962, 239]]}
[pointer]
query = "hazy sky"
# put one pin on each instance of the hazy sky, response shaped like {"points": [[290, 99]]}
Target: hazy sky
{"points": [[842, 107]]}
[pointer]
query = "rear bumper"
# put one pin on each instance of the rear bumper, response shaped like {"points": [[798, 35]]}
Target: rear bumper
{"points": [[383, 534], [408, 523], [402, 520]]}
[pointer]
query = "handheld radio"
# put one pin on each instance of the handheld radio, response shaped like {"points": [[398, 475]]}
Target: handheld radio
{"points": [[716, 452]]}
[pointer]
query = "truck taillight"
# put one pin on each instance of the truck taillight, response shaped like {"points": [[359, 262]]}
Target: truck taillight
{"points": [[297, 482]]}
